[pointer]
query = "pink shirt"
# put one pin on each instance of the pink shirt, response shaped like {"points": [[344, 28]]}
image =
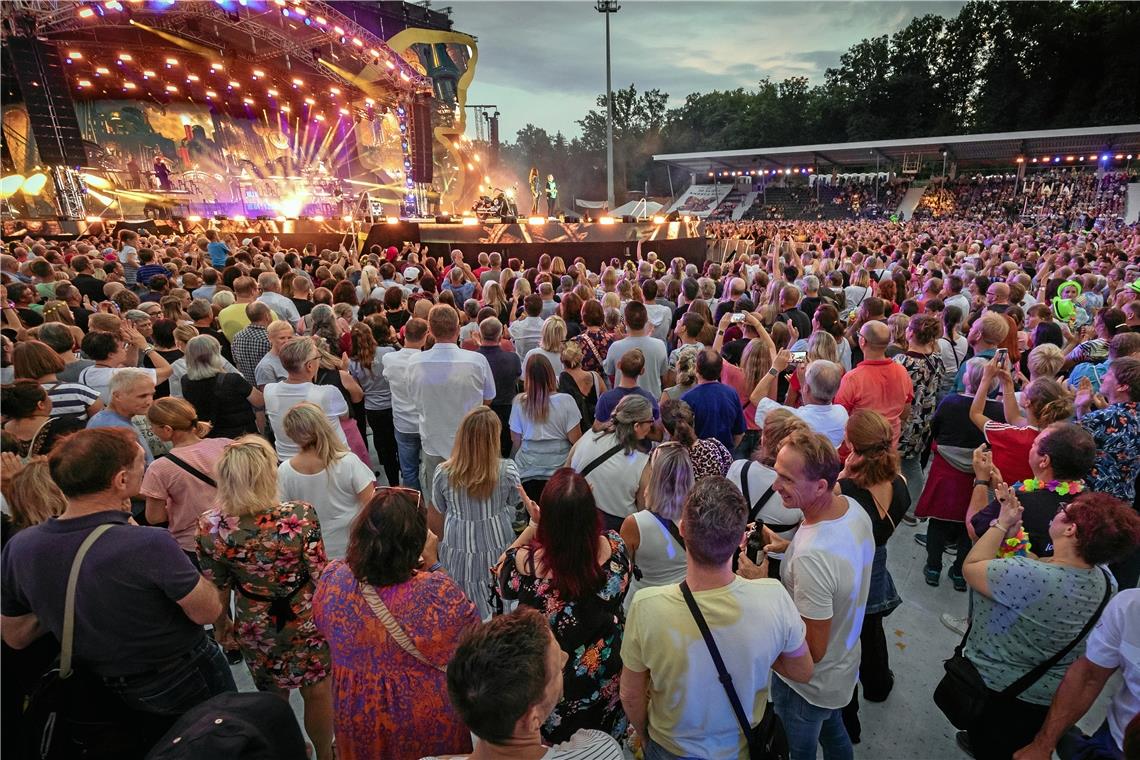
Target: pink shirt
{"points": [[187, 496]]}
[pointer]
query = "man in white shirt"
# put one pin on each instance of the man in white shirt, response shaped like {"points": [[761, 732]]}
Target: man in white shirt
{"points": [[284, 308], [526, 333], [446, 383], [638, 336], [669, 683], [821, 383], [301, 360], [405, 416], [660, 316], [1113, 645], [827, 571]]}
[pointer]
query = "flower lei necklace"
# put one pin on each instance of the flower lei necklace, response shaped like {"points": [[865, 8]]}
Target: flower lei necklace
{"points": [[1059, 487]]}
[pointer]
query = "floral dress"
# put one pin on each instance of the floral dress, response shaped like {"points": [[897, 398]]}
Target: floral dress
{"points": [[589, 630], [926, 376], [272, 560]]}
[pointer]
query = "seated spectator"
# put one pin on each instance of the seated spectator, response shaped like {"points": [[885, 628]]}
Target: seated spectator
{"points": [[753, 623], [505, 707], [392, 620]]}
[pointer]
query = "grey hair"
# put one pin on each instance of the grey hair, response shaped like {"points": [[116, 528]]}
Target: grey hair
{"points": [[203, 358], [125, 379], [671, 481], [295, 353], [822, 378], [972, 377], [630, 410]]}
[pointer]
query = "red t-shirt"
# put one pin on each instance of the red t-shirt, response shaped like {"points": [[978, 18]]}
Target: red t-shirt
{"points": [[881, 385], [1010, 446]]}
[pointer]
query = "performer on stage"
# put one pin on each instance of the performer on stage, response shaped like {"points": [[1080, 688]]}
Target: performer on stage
{"points": [[535, 190], [551, 195], [134, 173], [162, 173]]}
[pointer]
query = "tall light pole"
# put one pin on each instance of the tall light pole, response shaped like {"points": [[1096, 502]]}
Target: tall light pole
{"points": [[607, 7]]}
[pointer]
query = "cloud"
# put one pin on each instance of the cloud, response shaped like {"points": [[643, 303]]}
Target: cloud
{"points": [[544, 62]]}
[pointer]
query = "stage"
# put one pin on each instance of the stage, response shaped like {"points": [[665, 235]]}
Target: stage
{"points": [[595, 242]]}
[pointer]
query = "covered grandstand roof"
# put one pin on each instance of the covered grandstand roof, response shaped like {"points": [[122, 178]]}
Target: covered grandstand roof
{"points": [[1086, 143]]}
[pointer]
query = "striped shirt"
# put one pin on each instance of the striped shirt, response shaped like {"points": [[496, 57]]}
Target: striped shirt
{"points": [[70, 399]]}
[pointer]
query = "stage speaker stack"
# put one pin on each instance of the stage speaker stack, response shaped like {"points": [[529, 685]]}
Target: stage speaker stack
{"points": [[47, 96], [420, 128]]}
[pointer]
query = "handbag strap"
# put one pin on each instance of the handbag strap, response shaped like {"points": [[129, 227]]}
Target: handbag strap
{"points": [[394, 630], [600, 460], [722, 671], [1032, 676], [754, 509], [191, 469], [65, 648], [671, 526]]}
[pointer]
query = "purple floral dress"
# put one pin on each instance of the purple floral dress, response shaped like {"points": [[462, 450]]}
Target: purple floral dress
{"points": [[589, 630], [271, 560]]}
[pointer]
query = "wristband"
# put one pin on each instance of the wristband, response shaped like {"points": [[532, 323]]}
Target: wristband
{"points": [[979, 482], [436, 566]]}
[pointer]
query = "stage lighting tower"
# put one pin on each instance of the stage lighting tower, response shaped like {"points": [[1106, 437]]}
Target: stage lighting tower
{"points": [[607, 7]]}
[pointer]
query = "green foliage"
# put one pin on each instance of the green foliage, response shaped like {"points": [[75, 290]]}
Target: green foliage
{"points": [[995, 67]]}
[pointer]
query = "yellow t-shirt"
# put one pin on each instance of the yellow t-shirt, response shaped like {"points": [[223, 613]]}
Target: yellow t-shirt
{"points": [[752, 622]]}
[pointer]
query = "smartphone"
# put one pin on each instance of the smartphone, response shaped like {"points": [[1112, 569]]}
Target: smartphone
{"points": [[737, 318], [1002, 356], [799, 356]]}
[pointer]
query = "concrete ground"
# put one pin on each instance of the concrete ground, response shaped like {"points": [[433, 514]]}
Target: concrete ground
{"points": [[908, 726]]}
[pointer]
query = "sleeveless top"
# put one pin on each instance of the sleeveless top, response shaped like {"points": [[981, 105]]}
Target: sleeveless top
{"points": [[659, 557]]}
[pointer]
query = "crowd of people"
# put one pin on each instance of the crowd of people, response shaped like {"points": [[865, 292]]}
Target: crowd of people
{"points": [[446, 499]]}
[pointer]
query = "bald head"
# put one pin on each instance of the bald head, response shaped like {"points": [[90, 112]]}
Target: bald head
{"points": [[998, 293], [875, 337]]}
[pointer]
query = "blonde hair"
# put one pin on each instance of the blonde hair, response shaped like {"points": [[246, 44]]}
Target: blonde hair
{"points": [[34, 496], [869, 435], [553, 334], [1048, 401], [177, 414], [571, 355], [247, 477], [474, 462], [184, 333], [822, 345], [1045, 360], [308, 427]]}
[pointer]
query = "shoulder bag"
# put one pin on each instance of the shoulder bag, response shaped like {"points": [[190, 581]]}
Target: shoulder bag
{"points": [[767, 740], [71, 713], [182, 463], [600, 460], [754, 509], [962, 694], [380, 610]]}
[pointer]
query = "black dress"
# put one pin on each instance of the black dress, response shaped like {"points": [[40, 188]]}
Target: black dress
{"points": [[586, 403]]}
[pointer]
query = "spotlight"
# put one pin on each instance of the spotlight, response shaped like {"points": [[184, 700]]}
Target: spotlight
{"points": [[318, 219], [393, 220], [659, 219], [346, 218], [194, 219], [536, 220], [606, 220], [93, 219], [470, 221], [239, 218]]}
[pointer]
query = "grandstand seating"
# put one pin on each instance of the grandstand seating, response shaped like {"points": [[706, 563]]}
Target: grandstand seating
{"points": [[1041, 194]]}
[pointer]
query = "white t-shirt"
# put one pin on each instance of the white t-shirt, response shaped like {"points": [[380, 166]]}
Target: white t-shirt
{"points": [[1115, 643], [446, 383], [661, 317], [332, 493], [829, 419], [98, 379], [752, 622], [760, 479], [953, 354], [827, 570], [615, 480], [281, 397], [554, 359]]}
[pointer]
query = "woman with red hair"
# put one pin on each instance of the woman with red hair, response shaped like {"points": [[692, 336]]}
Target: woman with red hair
{"points": [[566, 567]]}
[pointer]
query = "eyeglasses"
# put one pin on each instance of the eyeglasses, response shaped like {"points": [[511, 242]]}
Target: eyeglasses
{"points": [[1064, 510]]}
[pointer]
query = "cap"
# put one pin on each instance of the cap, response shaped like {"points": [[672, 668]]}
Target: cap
{"points": [[411, 273]]}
